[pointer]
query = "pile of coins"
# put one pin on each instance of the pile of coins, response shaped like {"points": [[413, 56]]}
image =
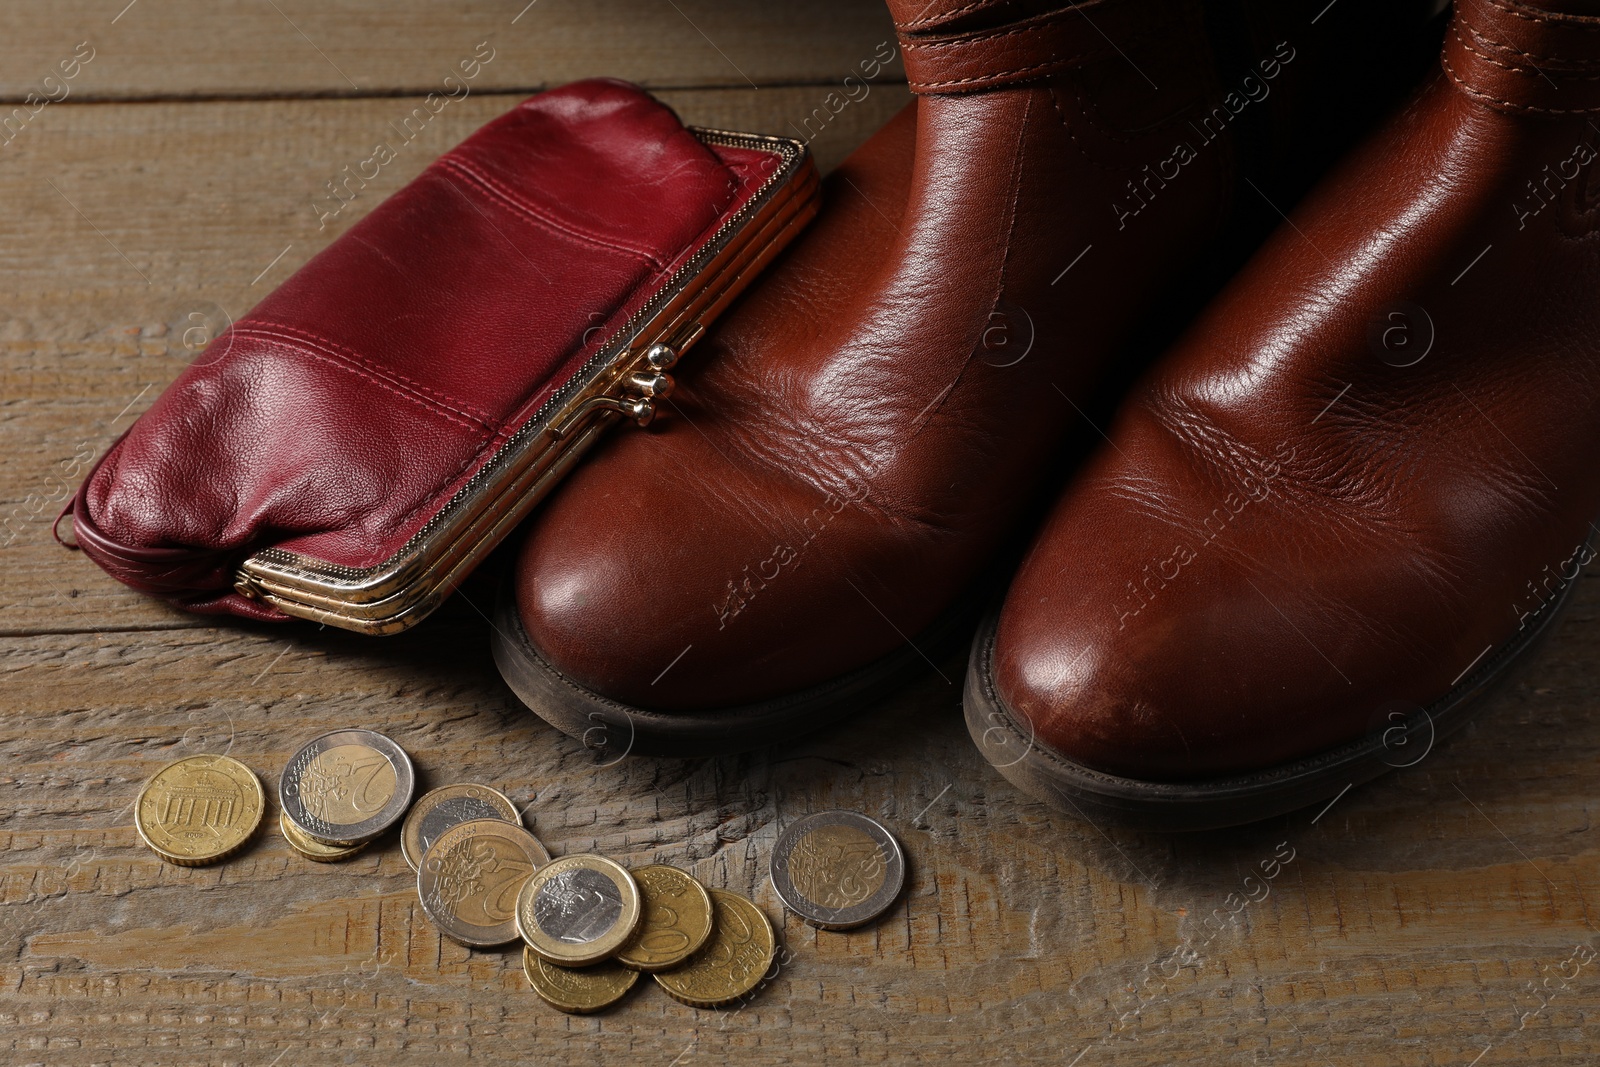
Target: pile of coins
{"points": [[589, 927], [342, 790]]}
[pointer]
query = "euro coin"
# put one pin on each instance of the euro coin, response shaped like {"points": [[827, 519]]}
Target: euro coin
{"points": [[578, 910], [732, 963], [199, 809], [577, 990], [450, 805], [837, 869], [347, 787], [469, 880], [315, 851], [675, 923]]}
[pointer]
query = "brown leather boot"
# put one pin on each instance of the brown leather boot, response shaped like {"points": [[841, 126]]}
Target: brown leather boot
{"points": [[855, 442], [1356, 492]]}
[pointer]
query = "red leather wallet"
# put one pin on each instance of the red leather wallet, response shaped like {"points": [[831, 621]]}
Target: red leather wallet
{"points": [[352, 447]]}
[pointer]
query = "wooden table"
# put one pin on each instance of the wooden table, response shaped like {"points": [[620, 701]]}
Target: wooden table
{"points": [[1438, 917]]}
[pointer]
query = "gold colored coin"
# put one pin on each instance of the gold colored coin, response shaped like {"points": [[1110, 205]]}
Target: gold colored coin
{"points": [[676, 920], [450, 805], [312, 849], [469, 880], [574, 990], [732, 963], [578, 910], [199, 809]]}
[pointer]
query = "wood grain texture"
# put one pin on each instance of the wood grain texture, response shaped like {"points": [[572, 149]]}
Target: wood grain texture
{"points": [[1405, 928], [244, 48], [1413, 925]]}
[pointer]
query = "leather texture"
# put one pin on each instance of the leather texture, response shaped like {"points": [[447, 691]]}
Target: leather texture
{"points": [[337, 416], [1369, 467], [864, 431]]}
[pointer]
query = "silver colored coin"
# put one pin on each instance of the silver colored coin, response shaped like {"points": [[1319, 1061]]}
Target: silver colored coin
{"points": [[347, 787], [579, 910], [837, 869], [578, 906]]}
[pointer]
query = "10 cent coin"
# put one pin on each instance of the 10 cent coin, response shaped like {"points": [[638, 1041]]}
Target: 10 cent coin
{"points": [[732, 963], [837, 869], [199, 809], [676, 922], [469, 880], [578, 910], [315, 851], [577, 990]]}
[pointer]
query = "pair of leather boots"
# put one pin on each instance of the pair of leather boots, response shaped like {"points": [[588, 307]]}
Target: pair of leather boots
{"points": [[1315, 531]]}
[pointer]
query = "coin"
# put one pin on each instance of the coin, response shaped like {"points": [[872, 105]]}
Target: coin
{"points": [[732, 963], [468, 881], [314, 850], [346, 787], [837, 869], [578, 991], [675, 923], [199, 809], [439, 809], [578, 910]]}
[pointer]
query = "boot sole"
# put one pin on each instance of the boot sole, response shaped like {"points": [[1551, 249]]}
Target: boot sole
{"points": [[612, 729], [1008, 743]]}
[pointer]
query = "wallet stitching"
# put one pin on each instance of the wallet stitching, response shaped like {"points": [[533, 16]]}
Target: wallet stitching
{"points": [[517, 203], [352, 363], [432, 498]]}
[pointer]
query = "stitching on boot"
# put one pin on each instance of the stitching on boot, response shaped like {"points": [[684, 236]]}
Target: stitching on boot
{"points": [[1455, 31], [1507, 46], [994, 75], [1581, 22], [1508, 105], [1072, 134], [953, 13]]}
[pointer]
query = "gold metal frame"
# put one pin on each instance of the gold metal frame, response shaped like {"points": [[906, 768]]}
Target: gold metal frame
{"points": [[622, 378]]}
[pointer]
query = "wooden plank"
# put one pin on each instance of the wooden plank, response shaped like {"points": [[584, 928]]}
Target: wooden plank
{"points": [[127, 226], [1404, 928], [246, 48]]}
